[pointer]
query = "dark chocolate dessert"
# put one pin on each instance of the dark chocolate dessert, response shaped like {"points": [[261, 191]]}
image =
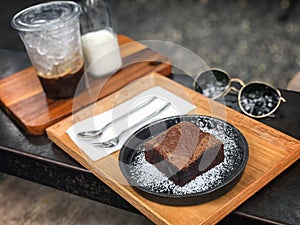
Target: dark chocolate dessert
{"points": [[184, 152]]}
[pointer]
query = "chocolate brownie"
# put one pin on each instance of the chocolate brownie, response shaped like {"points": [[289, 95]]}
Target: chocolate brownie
{"points": [[184, 152]]}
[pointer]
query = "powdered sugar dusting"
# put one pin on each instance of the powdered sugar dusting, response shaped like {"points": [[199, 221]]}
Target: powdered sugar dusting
{"points": [[148, 177]]}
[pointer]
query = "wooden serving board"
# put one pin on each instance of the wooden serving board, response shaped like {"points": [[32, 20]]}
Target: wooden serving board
{"points": [[270, 152], [22, 96]]}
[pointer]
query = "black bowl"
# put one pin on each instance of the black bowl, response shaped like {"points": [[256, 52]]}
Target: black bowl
{"points": [[152, 184]]}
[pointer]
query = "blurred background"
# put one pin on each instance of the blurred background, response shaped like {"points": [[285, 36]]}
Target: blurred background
{"points": [[252, 40]]}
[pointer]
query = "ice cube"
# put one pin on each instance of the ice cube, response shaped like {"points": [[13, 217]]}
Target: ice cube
{"points": [[43, 47], [31, 40]]}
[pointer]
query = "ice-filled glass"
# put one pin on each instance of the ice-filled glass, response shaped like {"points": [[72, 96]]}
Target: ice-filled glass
{"points": [[51, 35]]}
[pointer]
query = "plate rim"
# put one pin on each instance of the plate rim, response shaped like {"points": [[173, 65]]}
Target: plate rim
{"points": [[228, 184]]}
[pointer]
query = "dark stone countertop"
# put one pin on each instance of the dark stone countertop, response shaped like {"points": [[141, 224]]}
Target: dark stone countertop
{"points": [[37, 159]]}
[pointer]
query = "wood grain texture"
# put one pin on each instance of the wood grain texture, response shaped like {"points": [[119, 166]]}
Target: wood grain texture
{"points": [[270, 152], [22, 96]]}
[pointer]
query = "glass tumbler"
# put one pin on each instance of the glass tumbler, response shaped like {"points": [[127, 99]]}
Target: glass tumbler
{"points": [[51, 35], [100, 43]]}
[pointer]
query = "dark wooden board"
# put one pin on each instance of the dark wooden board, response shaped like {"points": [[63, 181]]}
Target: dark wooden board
{"points": [[22, 96]]}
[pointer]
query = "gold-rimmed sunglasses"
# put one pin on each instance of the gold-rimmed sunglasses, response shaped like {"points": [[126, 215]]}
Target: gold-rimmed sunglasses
{"points": [[255, 99]]}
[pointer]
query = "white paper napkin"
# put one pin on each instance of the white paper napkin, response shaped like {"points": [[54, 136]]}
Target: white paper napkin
{"points": [[178, 106]]}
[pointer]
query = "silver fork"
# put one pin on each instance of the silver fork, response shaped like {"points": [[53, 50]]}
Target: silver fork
{"points": [[114, 141], [97, 133]]}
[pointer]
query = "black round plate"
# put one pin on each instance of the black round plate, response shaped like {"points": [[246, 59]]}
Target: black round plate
{"points": [[154, 185]]}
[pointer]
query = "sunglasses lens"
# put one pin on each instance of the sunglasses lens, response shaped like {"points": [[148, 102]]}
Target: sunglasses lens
{"points": [[258, 99], [212, 83]]}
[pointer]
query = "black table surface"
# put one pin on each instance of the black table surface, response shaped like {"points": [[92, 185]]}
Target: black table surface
{"points": [[37, 159]]}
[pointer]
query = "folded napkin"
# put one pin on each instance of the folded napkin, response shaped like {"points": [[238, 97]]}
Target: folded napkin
{"points": [[178, 106]]}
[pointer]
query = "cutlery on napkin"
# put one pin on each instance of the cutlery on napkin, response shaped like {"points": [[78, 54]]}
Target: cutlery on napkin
{"points": [[179, 106]]}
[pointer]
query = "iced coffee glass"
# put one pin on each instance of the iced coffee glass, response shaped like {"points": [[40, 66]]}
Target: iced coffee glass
{"points": [[51, 35]]}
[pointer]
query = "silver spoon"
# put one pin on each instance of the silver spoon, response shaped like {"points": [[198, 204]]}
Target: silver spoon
{"points": [[114, 141], [97, 133]]}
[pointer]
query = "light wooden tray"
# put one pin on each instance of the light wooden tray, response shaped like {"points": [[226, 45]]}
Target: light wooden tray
{"points": [[270, 152]]}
